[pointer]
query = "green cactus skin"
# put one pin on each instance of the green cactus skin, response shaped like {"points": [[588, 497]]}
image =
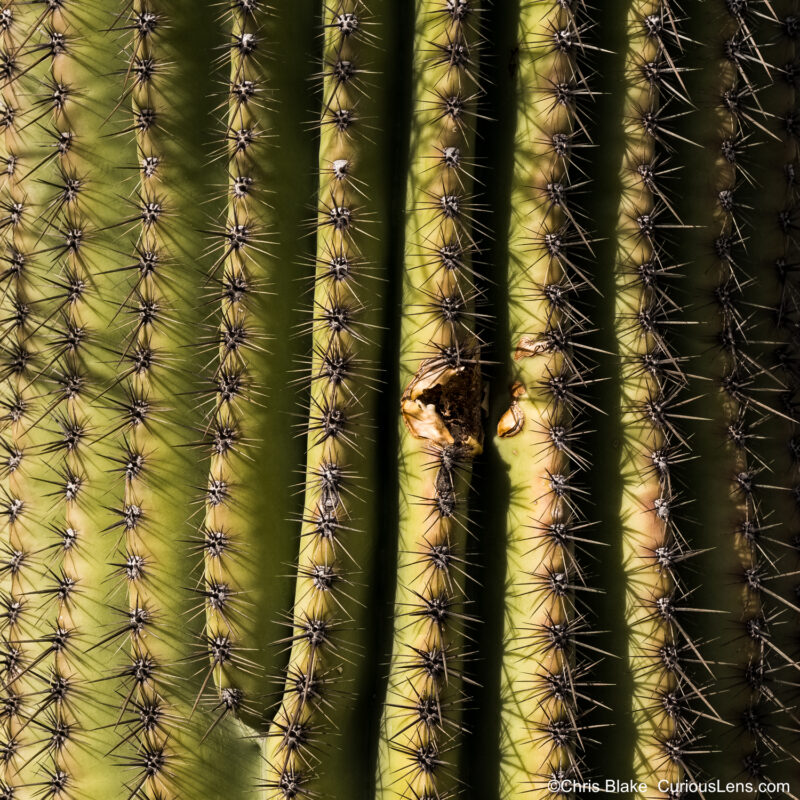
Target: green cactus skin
{"points": [[168, 669], [64, 753], [729, 248], [183, 617], [743, 421], [325, 676], [741, 294], [71, 223], [148, 567], [653, 406], [65, 244], [543, 699], [441, 427]]}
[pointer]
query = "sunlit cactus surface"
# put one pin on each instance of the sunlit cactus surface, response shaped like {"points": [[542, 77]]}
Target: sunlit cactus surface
{"points": [[399, 399]]}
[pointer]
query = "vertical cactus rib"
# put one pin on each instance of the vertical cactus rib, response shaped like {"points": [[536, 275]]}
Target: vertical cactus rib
{"points": [[753, 101], [58, 713], [653, 382], [148, 712], [69, 215], [314, 736], [190, 584], [546, 658], [239, 271], [21, 344], [247, 534], [441, 430]]}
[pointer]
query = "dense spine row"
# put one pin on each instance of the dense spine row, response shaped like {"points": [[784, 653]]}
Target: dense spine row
{"points": [[159, 262], [441, 408], [69, 223], [325, 675], [151, 344], [69, 219], [148, 712], [546, 658], [661, 653], [238, 276], [744, 389], [21, 345], [753, 309]]}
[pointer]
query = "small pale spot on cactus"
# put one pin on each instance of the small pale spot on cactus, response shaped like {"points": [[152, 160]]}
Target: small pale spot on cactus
{"points": [[347, 23], [340, 168]]}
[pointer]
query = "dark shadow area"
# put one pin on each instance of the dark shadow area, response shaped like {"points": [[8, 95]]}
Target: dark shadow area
{"points": [[379, 615], [490, 494]]}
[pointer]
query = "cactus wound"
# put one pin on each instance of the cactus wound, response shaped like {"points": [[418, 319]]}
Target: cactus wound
{"points": [[513, 420], [443, 405]]}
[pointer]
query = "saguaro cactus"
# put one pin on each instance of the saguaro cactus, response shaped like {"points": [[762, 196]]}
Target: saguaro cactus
{"points": [[259, 323]]}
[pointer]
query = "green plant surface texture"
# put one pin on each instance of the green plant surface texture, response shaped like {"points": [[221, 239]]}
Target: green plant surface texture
{"points": [[275, 273], [251, 292], [753, 397], [653, 405]]}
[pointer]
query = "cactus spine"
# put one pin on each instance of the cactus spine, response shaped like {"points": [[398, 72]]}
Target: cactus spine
{"points": [[181, 616]]}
